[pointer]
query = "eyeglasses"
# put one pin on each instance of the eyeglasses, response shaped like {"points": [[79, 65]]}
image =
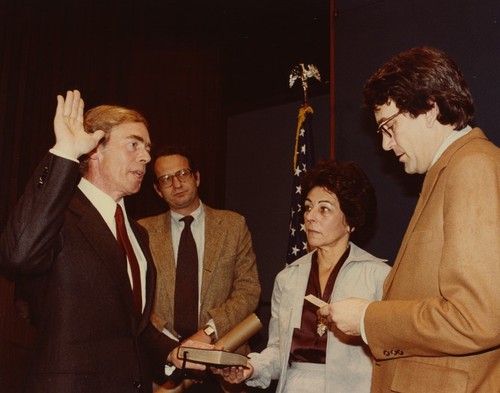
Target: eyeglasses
{"points": [[182, 175], [382, 128]]}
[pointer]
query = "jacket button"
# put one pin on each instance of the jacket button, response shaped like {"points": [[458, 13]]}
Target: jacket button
{"points": [[386, 352]]}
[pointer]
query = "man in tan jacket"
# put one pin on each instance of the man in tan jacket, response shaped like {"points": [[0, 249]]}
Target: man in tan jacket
{"points": [[437, 328], [228, 282]]}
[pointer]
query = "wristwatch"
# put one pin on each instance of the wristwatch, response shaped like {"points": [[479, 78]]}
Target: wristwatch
{"points": [[210, 332]]}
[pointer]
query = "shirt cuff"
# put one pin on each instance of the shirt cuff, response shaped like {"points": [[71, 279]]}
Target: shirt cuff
{"points": [[212, 323], [362, 325], [61, 154], [169, 368]]}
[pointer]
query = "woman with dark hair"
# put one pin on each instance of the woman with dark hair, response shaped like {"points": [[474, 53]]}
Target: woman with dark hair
{"points": [[304, 352]]}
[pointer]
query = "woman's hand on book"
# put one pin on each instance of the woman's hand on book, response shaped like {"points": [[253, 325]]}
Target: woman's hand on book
{"points": [[234, 375]]}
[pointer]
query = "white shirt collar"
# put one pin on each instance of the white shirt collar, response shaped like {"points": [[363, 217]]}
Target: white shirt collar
{"points": [[105, 205], [196, 214], [449, 140]]}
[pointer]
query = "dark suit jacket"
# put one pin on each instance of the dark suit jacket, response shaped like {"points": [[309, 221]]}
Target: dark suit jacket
{"points": [[80, 297]]}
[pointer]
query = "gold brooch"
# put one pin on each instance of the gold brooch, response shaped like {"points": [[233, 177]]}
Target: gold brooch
{"points": [[322, 325]]}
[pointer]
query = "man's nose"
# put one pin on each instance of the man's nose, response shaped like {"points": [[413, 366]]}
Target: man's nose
{"points": [[387, 142], [176, 182]]}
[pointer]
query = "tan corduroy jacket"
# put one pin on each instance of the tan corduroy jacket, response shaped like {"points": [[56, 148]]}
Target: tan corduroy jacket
{"points": [[438, 330]]}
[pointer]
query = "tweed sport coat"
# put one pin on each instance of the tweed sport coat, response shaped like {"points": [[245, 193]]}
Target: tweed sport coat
{"points": [[230, 288], [439, 330], [75, 276]]}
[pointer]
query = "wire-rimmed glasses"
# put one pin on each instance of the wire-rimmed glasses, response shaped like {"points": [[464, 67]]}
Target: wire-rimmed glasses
{"points": [[182, 175]]}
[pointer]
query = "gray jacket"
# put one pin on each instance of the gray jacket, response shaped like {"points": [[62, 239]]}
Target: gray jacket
{"points": [[348, 359]]}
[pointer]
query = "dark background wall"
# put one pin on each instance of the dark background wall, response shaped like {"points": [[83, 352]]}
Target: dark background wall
{"points": [[198, 68], [369, 33]]}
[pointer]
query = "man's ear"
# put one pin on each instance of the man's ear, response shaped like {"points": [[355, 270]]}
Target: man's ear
{"points": [[197, 178], [157, 189], [431, 115], [94, 154]]}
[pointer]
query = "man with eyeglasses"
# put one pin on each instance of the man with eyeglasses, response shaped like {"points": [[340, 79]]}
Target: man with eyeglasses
{"points": [[437, 328], [228, 283]]}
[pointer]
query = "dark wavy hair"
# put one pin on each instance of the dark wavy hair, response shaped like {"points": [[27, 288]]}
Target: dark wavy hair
{"points": [[352, 187], [418, 78]]}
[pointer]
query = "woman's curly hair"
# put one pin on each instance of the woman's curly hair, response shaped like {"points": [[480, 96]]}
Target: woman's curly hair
{"points": [[350, 184]]}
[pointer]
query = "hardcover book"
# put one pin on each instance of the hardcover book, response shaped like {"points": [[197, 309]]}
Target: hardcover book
{"points": [[213, 357]]}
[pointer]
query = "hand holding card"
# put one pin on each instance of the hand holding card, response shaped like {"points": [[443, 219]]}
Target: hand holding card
{"points": [[322, 325], [316, 301]]}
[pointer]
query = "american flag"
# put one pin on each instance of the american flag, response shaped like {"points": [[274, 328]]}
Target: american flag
{"points": [[302, 160]]}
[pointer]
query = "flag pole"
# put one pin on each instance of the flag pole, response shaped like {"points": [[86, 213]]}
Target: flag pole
{"points": [[332, 79]]}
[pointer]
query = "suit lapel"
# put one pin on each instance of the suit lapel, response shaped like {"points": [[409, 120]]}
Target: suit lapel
{"points": [[161, 239], [428, 186], [142, 239], [214, 238], [99, 236]]}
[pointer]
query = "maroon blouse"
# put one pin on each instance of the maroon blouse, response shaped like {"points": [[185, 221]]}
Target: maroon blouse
{"points": [[307, 345]]}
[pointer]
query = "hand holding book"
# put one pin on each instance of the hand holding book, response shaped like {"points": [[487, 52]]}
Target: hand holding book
{"points": [[236, 337], [213, 357]]}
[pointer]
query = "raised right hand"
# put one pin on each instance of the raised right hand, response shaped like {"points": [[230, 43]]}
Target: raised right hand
{"points": [[71, 138]]}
